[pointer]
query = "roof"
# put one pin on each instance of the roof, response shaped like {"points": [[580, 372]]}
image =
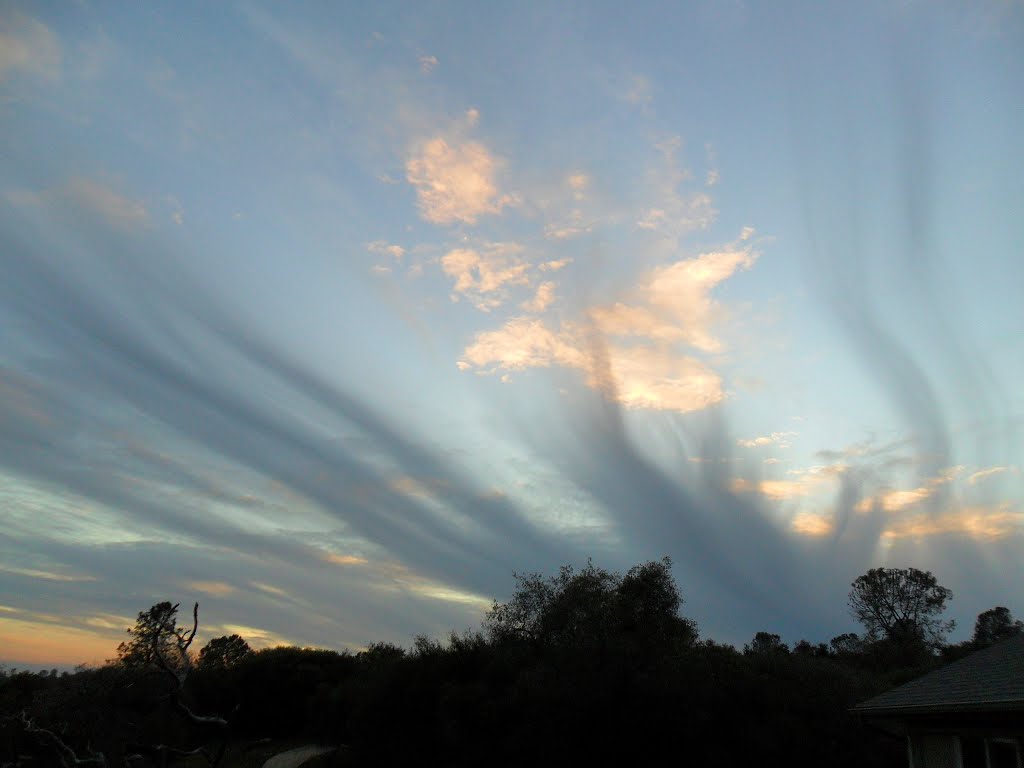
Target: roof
{"points": [[991, 679]]}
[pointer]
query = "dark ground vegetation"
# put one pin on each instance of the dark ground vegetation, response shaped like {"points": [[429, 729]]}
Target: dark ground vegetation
{"points": [[584, 666]]}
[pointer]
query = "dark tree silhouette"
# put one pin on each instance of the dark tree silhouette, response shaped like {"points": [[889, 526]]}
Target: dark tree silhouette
{"points": [[155, 634], [222, 653], [902, 605], [994, 625], [593, 607], [766, 642]]}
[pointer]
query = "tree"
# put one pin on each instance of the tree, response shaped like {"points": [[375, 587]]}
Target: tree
{"points": [[901, 605], [154, 636], [766, 643], [994, 625], [593, 607], [846, 644], [223, 652]]}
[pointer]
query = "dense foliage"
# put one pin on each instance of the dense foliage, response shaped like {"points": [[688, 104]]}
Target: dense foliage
{"points": [[586, 665]]}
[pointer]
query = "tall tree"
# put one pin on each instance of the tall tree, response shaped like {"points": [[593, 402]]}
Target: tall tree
{"points": [[903, 605], [223, 652], [994, 625], [154, 635]]}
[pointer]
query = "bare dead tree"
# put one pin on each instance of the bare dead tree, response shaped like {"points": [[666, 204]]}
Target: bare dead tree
{"points": [[178, 672]]}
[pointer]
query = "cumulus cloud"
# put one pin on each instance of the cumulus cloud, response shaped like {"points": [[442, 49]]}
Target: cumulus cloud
{"points": [[483, 274], [631, 351], [674, 303], [455, 182], [542, 299], [634, 376], [895, 500], [27, 45]]}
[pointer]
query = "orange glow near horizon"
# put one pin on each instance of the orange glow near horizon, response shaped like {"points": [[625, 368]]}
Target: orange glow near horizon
{"points": [[38, 643]]}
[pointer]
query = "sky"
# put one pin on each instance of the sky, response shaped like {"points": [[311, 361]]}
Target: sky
{"points": [[334, 317]]}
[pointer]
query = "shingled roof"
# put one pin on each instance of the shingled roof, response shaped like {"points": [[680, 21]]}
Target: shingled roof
{"points": [[988, 680]]}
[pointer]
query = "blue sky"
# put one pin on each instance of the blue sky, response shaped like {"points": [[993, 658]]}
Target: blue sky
{"points": [[331, 317]]}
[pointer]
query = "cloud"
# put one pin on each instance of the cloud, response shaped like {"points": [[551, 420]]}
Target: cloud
{"points": [[82, 195], [675, 213], [27, 45], [542, 299], [117, 209], [638, 91], [633, 353], [899, 500], [673, 303], [634, 376], [811, 524], [455, 183], [427, 64], [211, 588], [984, 474], [780, 439], [384, 248], [776, 490], [976, 522], [483, 275], [554, 265]]}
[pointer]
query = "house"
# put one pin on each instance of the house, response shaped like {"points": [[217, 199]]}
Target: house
{"points": [[968, 714]]}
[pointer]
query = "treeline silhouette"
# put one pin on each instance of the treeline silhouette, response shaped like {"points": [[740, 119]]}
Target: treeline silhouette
{"points": [[585, 665]]}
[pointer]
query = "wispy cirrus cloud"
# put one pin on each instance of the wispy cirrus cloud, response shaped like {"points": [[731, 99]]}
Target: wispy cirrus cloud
{"points": [[86, 195], [986, 474], [778, 439], [27, 46]]}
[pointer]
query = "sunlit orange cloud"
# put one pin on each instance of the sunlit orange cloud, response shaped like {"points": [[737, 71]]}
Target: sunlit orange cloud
{"points": [[33, 642], [254, 636], [336, 559], [777, 490], [985, 474], [455, 182], [270, 589], [897, 501], [809, 524], [212, 588], [977, 522]]}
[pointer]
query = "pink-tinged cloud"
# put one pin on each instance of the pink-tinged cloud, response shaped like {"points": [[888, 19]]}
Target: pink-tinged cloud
{"points": [[455, 183]]}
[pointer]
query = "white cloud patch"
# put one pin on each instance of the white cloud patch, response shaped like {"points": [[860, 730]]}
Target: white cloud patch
{"points": [[384, 248], [542, 299], [455, 182], [554, 265], [427, 64], [893, 500], [631, 352], [482, 275], [634, 376], [27, 46], [779, 439], [673, 303]]}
